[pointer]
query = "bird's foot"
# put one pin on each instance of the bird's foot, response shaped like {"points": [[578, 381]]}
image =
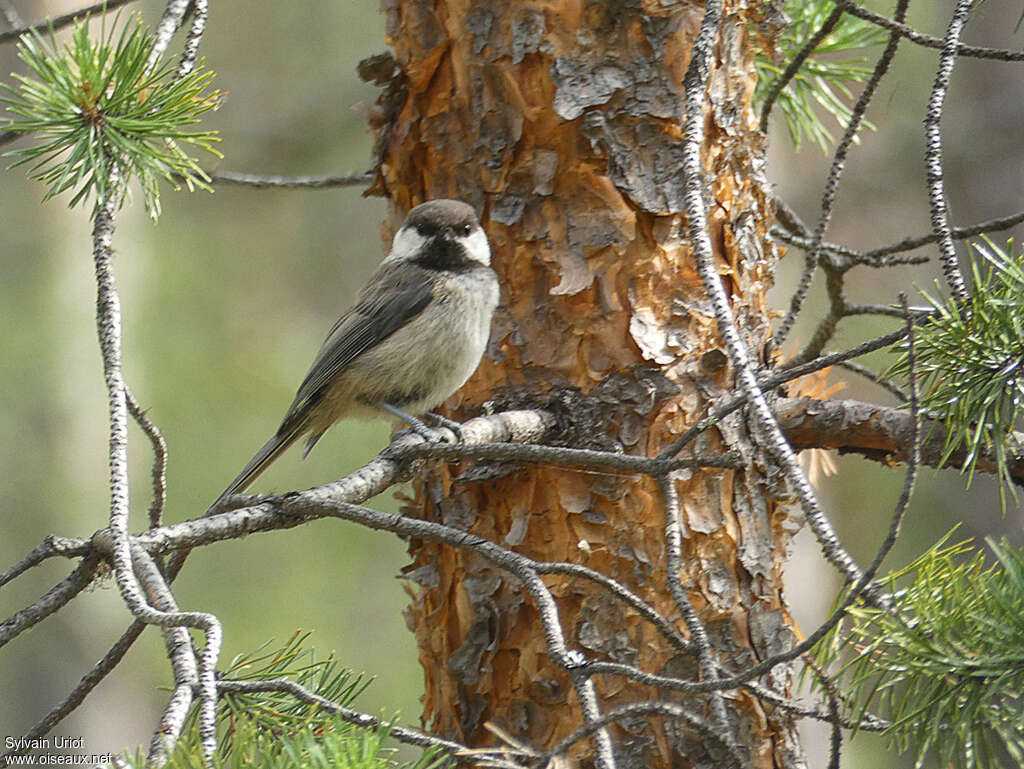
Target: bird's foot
{"points": [[418, 426], [442, 421]]}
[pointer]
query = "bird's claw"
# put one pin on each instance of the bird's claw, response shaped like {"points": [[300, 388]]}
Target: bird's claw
{"points": [[442, 421]]}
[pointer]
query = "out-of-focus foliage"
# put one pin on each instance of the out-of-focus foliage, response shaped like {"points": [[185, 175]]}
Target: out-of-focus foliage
{"points": [[823, 82], [946, 664], [101, 113]]}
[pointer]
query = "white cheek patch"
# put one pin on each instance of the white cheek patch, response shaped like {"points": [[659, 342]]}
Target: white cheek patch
{"points": [[406, 245], [477, 247]]}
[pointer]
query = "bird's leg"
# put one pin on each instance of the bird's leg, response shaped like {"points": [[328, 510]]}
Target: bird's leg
{"points": [[416, 425], [439, 420]]}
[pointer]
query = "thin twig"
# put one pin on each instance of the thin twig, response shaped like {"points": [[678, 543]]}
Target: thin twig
{"points": [[404, 734], [863, 584], [159, 474], [933, 154], [108, 323], [767, 383], [928, 41], [588, 459], [645, 610], [179, 651], [814, 256], [698, 633], [169, 24], [187, 63], [55, 598], [796, 63], [51, 547], [77, 695], [873, 376], [958, 233], [665, 709], [288, 182], [63, 20]]}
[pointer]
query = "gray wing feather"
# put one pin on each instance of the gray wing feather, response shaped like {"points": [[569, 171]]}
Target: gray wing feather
{"points": [[366, 325], [387, 304]]}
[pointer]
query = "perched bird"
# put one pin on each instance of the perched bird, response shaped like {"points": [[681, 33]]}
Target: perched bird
{"points": [[415, 335]]}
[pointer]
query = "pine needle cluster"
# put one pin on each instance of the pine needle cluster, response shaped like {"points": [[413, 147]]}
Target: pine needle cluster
{"points": [[103, 113], [274, 730], [823, 82], [970, 362], [946, 664]]}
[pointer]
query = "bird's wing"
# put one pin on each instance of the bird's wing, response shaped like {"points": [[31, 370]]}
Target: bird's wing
{"points": [[366, 325]]}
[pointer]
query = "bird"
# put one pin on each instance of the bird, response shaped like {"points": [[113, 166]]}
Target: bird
{"points": [[416, 333]]}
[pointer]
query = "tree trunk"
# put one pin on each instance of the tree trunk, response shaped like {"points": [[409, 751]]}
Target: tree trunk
{"points": [[562, 122]]}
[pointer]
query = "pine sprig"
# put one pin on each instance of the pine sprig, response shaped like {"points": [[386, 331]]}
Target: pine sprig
{"points": [[823, 81], [946, 665], [279, 712], [104, 115], [969, 362], [274, 730]]}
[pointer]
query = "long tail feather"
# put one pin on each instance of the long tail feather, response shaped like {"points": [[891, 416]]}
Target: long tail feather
{"points": [[270, 451]]}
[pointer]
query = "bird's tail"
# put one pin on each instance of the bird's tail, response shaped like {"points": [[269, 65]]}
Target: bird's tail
{"points": [[270, 451]]}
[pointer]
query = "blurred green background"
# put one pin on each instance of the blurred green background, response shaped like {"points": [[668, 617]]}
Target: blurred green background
{"points": [[228, 297]]}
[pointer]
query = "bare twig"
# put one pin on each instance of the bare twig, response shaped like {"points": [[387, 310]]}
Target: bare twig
{"points": [[933, 153], [588, 459], [767, 383], [63, 20], [108, 322], [928, 41], [698, 633], [696, 77], [289, 182], [187, 63], [179, 650], [170, 23], [52, 547], [159, 474], [55, 598], [77, 695], [958, 233], [814, 257], [664, 709], [886, 384]]}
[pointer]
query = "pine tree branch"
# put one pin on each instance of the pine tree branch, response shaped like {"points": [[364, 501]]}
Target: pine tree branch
{"points": [[881, 433], [403, 734], [55, 598]]}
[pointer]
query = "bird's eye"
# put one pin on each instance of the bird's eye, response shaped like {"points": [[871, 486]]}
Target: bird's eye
{"points": [[423, 230], [467, 229]]}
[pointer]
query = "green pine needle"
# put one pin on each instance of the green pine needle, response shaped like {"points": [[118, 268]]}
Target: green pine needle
{"points": [[946, 665], [102, 116], [273, 730], [969, 363], [822, 83]]}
